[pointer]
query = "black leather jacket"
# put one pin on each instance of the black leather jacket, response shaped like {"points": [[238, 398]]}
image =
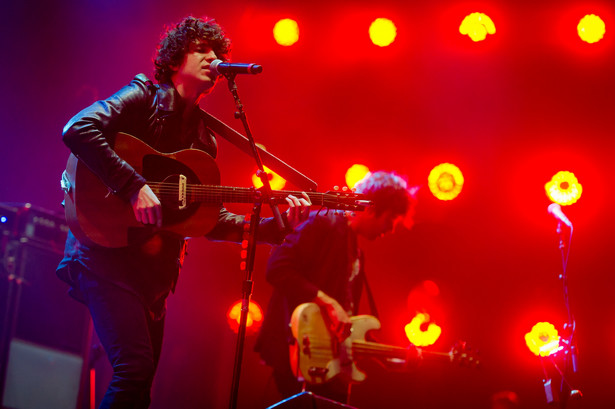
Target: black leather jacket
{"points": [[152, 113], [149, 112]]}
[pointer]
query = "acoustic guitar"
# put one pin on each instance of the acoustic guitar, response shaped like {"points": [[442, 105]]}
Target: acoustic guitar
{"points": [[186, 182], [317, 357]]}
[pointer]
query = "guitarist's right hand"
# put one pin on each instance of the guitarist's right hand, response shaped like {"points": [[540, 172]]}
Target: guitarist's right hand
{"points": [[146, 206], [337, 319]]}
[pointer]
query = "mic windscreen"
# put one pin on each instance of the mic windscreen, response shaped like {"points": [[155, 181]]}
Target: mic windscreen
{"points": [[554, 208]]}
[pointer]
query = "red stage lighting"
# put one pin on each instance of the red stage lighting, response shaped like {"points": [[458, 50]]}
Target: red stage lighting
{"points": [[422, 329], [564, 188], [445, 181], [254, 319], [477, 26], [543, 339], [382, 32], [355, 173], [421, 332], [276, 181], [591, 28], [286, 32]]}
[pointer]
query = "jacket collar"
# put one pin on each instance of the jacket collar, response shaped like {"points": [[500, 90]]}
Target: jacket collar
{"points": [[168, 99]]}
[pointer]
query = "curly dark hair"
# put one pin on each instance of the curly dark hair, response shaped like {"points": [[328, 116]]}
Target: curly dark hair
{"points": [[177, 39], [387, 191]]}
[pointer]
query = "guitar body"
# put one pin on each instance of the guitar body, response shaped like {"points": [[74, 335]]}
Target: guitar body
{"points": [[317, 356], [95, 216]]}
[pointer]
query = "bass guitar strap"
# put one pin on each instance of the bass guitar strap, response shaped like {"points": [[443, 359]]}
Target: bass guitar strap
{"points": [[370, 296]]}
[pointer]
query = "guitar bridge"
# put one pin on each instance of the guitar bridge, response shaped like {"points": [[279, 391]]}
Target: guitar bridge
{"points": [[182, 192], [317, 372]]}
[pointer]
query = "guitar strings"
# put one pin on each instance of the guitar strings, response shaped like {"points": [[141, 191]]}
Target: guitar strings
{"points": [[238, 193], [320, 347]]}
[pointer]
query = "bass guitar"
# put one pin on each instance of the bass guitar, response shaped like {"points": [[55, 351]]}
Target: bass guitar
{"points": [[316, 356], [186, 182]]}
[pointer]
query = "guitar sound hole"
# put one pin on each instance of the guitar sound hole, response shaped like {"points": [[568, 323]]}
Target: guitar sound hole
{"points": [[167, 170]]}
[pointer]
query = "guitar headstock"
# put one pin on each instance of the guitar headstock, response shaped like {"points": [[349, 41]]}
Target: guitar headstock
{"points": [[345, 200], [464, 355]]}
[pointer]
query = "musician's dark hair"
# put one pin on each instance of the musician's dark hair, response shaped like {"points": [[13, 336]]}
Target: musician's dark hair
{"points": [[387, 191], [177, 40]]}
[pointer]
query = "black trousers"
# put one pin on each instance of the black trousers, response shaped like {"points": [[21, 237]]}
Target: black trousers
{"points": [[131, 338]]}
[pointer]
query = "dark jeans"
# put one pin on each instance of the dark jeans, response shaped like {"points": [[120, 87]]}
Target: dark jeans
{"points": [[131, 339]]}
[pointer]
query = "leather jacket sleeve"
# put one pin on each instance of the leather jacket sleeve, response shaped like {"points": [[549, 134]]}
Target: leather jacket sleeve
{"points": [[89, 135], [230, 227]]}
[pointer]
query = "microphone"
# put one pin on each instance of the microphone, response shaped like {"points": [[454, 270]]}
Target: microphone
{"points": [[219, 67], [556, 211]]}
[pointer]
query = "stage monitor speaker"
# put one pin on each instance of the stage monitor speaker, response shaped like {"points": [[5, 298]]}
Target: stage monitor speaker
{"points": [[307, 400], [45, 333], [40, 377]]}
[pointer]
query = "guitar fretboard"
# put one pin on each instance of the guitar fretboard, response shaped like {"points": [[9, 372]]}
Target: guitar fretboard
{"points": [[214, 194]]}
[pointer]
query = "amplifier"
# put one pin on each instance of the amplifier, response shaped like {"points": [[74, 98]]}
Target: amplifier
{"points": [[44, 334], [28, 223]]}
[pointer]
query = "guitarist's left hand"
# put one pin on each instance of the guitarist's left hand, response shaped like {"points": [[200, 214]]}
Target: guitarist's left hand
{"points": [[298, 209]]}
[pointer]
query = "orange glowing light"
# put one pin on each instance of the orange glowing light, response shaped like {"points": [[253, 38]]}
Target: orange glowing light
{"points": [[286, 32], [543, 340], [417, 336], [477, 26], [276, 181], [253, 320], [355, 173], [564, 188], [445, 181], [382, 32], [591, 28]]}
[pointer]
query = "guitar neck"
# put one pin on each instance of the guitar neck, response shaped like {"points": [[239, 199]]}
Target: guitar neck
{"points": [[373, 349], [376, 350], [214, 194]]}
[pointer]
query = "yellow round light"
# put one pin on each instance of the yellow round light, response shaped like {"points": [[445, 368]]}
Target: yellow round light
{"points": [[564, 188], [286, 32], [591, 28], [382, 32], [355, 173], [276, 181], [417, 336], [445, 181], [543, 339], [253, 319], [477, 26]]}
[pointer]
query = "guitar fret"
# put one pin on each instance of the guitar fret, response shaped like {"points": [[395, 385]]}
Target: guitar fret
{"points": [[221, 194]]}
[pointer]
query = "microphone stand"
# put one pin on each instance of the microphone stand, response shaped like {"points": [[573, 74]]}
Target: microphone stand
{"points": [[570, 352], [251, 249]]}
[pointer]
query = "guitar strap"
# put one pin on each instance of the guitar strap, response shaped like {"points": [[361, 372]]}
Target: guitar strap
{"points": [[240, 141], [370, 297]]}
